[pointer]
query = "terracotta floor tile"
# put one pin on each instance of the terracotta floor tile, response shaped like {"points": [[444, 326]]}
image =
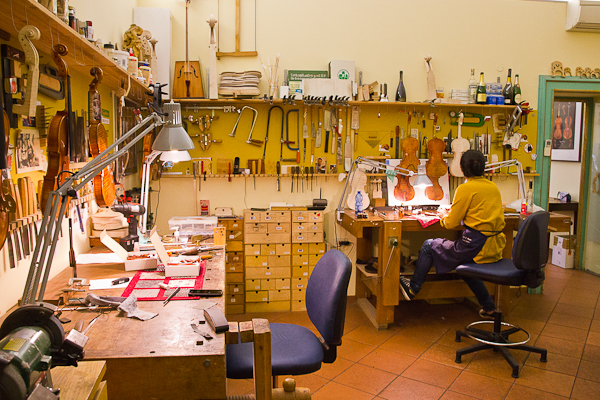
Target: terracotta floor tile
{"points": [[589, 370], [593, 338], [576, 311], [560, 346], [529, 325], [330, 371], [349, 326], [352, 350], [565, 332], [446, 355], [532, 314], [585, 390], [238, 387], [547, 381], [431, 373], [367, 379], [407, 345], [493, 365], [570, 320], [518, 392], [387, 360], [591, 353], [366, 333], [449, 339], [587, 288], [335, 391], [408, 389], [428, 331], [455, 396], [556, 363], [577, 301], [480, 386], [595, 326]]}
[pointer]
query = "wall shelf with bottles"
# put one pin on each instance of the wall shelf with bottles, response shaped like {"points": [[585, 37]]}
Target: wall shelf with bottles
{"points": [[82, 56]]}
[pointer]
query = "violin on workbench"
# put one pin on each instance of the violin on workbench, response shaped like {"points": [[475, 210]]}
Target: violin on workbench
{"points": [[61, 128], [104, 184]]}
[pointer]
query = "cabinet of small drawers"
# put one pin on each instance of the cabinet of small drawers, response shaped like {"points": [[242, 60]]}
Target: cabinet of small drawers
{"points": [[235, 298], [276, 267]]}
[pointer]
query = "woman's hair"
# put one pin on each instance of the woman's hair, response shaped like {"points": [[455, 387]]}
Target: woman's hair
{"points": [[472, 163]]}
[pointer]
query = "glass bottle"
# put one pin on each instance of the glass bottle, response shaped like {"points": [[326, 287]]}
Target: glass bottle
{"points": [[472, 87], [401, 91], [517, 90], [481, 94], [507, 92]]}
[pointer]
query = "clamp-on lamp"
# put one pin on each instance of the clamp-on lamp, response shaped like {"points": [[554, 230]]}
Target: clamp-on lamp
{"points": [[171, 137]]}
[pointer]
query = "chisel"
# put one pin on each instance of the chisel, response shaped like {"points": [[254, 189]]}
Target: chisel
{"points": [[327, 127], [305, 131], [318, 137], [278, 173]]}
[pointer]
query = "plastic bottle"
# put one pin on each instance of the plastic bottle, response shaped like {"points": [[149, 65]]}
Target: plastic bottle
{"points": [[358, 204], [529, 208]]}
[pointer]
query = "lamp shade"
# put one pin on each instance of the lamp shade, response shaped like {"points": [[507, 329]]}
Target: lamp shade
{"points": [[175, 156], [422, 178], [172, 136]]}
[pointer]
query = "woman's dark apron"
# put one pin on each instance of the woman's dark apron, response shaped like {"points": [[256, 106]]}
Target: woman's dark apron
{"points": [[448, 254]]}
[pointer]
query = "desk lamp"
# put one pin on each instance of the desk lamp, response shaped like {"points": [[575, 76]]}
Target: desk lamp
{"points": [[171, 137]]}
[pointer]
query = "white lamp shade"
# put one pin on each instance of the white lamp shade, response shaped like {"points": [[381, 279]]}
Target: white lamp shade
{"points": [[422, 178], [172, 136], [175, 156]]}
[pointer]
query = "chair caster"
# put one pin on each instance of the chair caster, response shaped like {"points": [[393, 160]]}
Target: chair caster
{"points": [[458, 360], [458, 336], [543, 357]]}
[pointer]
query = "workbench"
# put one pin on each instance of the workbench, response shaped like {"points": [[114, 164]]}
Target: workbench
{"points": [[385, 284], [86, 382], [158, 358]]}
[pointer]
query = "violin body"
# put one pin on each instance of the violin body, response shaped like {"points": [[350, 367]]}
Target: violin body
{"points": [[359, 183], [459, 146], [187, 83], [403, 191], [104, 184], [558, 127], [436, 168], [568, 133]]}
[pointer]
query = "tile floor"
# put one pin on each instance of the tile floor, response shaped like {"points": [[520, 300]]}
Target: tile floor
{"points": [[414, 358]]}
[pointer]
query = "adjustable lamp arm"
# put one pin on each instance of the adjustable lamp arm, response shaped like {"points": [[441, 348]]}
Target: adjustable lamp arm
{"points": [[509, 163]]}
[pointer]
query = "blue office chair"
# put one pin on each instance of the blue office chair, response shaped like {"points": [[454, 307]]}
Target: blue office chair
{"points": [[529, 255], [295, 350]]}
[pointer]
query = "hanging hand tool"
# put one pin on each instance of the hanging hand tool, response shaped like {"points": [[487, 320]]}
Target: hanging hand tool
{"points": [[334, 122], [312, 175], [305, 132], [268, 121], [301, 177], [313, 129], [287, 132], [355, 125], [240, 112], [340, 157], [253, 171], [278, 173], [306, 171], [319, 131], [327, 127], [292, 173], [397, 149], [312, 152], [297, 179]]}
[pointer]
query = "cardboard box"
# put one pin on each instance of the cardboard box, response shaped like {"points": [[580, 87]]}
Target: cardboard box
{"points": [[130, 265], [560, 254], [342, 69], [181, 266]]}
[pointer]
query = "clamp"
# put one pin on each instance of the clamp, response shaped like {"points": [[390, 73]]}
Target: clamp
{"points": [[240, 112]]}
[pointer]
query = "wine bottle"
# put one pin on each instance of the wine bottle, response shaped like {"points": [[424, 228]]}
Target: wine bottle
{"points": [[481, 96], [517, 90], [507, 92], [472, 87], [401, 91]]}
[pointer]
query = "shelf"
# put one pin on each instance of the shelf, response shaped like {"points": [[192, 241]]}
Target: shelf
{"points": [[82, 56], [235, 176]]}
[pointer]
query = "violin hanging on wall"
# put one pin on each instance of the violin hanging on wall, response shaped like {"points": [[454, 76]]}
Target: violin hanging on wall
{"points": [[29, 103], [404, 190], [187, 83]]}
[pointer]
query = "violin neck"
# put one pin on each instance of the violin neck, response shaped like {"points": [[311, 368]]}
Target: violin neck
{"points": [[187, 4]]}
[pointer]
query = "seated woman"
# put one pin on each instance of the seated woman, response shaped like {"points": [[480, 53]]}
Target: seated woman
{"points": [[478, 207]]}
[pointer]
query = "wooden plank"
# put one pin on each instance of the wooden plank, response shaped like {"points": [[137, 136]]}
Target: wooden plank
{"points": [[246, 331], [371, 313], [232, 335], [81, 382], [389, 262], [262, 359]]}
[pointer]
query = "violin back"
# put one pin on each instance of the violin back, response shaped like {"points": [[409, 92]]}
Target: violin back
{"points": [[359, 183], [436, 168]]}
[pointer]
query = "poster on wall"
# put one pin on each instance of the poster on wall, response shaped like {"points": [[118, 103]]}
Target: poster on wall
{"points": [[420, 198], [29, 152], [567, 126]]}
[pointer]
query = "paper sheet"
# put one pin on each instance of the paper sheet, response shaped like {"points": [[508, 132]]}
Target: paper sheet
{"points": [[96, 284], [98, 258]]}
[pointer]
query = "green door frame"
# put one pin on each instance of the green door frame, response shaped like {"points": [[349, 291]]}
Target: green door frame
{"points": [[547, 86]]}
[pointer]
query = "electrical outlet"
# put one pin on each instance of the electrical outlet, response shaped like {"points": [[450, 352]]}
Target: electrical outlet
{"points": [[438, 128]]}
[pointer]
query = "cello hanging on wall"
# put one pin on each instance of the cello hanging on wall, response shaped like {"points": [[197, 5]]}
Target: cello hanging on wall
{"points": [[187, 83]]}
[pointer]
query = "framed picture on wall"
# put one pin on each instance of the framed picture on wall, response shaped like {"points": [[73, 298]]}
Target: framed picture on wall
{"points": [[567, 126]]}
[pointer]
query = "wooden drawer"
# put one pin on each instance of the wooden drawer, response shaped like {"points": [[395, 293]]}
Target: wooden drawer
{"points": [[307, 237], [300, 248], [234, 256], [271, 306], [311, 269], [279, 261], [300, 259], [259, 227], [260, 284], [234, 289], [234, 277], [298, 305], [279, 295], [300, 272], [298, 283], [268, 273], [257, 296], [234, 309], [278, 227], [234, 267], [283, 249], [253, 250], [234, 245], [257, 238], [236, 225], [317, 248], [276, 216], [235, 235], [282, 283], [235, 299], [253, 284], [313, 259], [256, 261], [307, 216], [268, 249], [299, 227], [299, 294], [252, 216], [255, 272]]}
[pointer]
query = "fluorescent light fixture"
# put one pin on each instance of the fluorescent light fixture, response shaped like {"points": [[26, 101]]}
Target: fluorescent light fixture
{"points": [[175, 156], [422, 178], [172, 136]]}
